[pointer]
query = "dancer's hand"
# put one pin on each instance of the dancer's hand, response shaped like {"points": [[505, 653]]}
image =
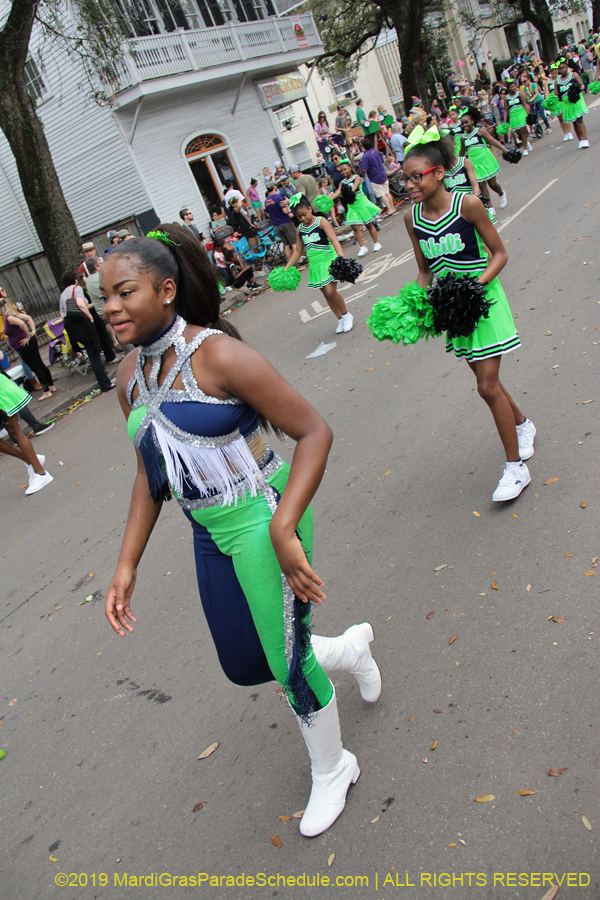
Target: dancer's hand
{"points": [[305, 583], [118, 597]]}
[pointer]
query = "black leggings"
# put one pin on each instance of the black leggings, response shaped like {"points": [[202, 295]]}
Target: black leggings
{"points": [[31, 357], [97, 367]]}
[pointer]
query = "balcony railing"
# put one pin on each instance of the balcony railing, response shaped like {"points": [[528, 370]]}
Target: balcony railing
{"points": [[203, 48]]}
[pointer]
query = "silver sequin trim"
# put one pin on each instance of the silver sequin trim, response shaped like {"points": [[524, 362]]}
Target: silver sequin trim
{"points": [[288, 594]]}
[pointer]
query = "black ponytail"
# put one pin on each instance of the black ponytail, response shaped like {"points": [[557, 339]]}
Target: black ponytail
{"points": [[474, 113]]}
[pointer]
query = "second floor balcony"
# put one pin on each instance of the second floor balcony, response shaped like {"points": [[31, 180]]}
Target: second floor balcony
{"points": [[159, 62]]}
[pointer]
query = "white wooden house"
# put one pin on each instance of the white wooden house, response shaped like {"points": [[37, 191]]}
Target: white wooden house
{"points": [[193, 107]]}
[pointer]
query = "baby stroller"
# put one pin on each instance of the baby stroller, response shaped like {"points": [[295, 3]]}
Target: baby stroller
{"points": [[60, 349], [534, 123]]}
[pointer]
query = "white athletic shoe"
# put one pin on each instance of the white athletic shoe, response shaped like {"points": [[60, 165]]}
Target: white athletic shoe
{"points": [[525, 152], [492, 211], [37, 482], [548, 130], [377, 245], [529, 147], [583, 144], [348, 321], [568, 136], [526, 433], [363, 251], [41, 459], [503, 200], [515, 477], [340, 325]]}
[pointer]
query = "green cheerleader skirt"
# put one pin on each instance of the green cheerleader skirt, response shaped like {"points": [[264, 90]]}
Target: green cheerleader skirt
{"points": [[12, 397], [362, 211], [518, 117], [493, 336], [573, 111], [318, 267], [484, 162]]}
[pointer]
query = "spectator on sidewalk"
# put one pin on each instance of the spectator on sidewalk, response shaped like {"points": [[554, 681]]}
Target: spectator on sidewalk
{"points": [[187, 218], [361, 116], [113, 240], [372, 165], [276, 207], [240, 222], [79, 325], [398, 141], [20, 331], [89, 249], [304, 183], [253, 200], [106, 334]]}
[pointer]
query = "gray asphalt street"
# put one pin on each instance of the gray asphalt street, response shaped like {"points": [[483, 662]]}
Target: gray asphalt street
{"points": [[102, 775]]}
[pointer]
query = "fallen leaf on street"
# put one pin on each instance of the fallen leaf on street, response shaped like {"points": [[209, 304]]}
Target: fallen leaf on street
{"points": [[586, 822], [430, 615], [582, 505], [368, 370], [551, 894], [331, 859], [425, 760], [485, 798], [559, 619], [528, 587], [452, 639], [276, 841], [299, 814], [481, 595], [209, 750], [525, 793], [376, 819], [199, 806], [411, 718], [475, 513], [434, 745], [493, 586], [551, 480], [388, 471], [439, 568], [52, 859], [589, 572], [452, 845], [569, 554], [464, 843], [556, 772], [284, 818], [515, 516], [516, 731], [437, 710]]}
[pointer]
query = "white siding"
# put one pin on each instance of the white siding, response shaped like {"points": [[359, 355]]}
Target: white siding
{"points": [[166, 122], [95, 169]]}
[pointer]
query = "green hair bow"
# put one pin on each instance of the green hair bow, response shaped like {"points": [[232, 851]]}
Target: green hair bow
{"points": [[295, 199], [419, 136], [163, 237], [344, 160]]}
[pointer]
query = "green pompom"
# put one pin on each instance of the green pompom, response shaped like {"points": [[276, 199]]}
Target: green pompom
{"points": [[503, 128], [282, 279], [406, 317], [323, 203], [552, 104], [594, 87]]}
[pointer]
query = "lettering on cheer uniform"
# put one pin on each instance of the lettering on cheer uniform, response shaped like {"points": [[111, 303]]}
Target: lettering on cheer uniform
{"points": [[448, 244], [452, 181]]}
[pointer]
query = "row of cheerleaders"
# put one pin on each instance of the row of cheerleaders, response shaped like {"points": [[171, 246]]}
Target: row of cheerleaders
{"points": [[199, 404]]}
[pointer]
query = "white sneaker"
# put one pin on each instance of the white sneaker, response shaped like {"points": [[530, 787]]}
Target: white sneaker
{"points": [[515, 477], [503, 200], [582, 146], [348, 321], [377, 245], [525, 152], [340, 325], [37, 482], [526, 433], [568, 136], [492, 211], [42, 460], [529, 147], [548, 130], [363, 251]]}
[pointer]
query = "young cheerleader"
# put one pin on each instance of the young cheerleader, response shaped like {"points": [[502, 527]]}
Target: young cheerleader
{"points": [[460, 177], [316, 237], [486, 166], [13, 399], [515, 112], [455, 127], [550, 84], [450, 232], [571, 112], [195, 398], [360, 209]]}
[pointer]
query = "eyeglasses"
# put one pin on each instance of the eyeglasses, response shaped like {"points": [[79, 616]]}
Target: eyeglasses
{"points": [[418, 176]]}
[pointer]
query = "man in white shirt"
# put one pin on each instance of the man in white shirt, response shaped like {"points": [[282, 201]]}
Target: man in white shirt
{"points": [[231, 192]]}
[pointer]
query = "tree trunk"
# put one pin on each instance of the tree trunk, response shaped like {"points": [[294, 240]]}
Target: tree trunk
{"points": [[596, 15], [24, 132], [538, 13], [407, 19]]}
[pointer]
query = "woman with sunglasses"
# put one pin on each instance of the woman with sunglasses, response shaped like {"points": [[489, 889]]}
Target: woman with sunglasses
{"points": [[450, 233], [475, 141], [323, 135]]}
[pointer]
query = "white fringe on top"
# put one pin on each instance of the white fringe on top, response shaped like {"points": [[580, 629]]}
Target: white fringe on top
{"points": [[210, 468]]}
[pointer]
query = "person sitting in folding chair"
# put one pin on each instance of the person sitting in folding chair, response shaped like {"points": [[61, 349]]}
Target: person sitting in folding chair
{"points": [[241, 223]]}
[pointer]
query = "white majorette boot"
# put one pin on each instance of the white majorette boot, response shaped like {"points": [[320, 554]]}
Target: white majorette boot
{"points": [[350, 652], [333, 770]]}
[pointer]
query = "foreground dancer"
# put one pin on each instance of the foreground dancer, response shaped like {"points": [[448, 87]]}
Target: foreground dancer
{"points": [[450, 232], [196, 400], [568, 87], [316, 237]]}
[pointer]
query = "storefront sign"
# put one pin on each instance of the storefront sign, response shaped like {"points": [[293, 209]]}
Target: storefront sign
{"points": [[282, 90]]}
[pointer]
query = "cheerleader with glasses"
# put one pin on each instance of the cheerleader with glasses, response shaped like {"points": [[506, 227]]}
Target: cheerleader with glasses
{"points": [[568, 87], [515, 113], [475, 142], [450, 233]]}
